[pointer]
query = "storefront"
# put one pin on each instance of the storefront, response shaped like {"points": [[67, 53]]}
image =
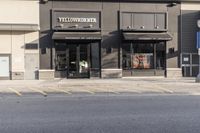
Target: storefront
{"points": [[144, 43], [144, 59], [109, 39], [77, 38], [98, 38]]}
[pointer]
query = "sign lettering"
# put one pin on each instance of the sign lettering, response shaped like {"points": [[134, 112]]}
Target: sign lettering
{"points": [[76, 20]]}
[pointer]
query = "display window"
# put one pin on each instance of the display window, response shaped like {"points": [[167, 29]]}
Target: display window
{"points": [[144, 56]]}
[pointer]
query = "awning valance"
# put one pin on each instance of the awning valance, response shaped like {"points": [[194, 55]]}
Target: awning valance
{"points": [[77, 36], [146, 36]]}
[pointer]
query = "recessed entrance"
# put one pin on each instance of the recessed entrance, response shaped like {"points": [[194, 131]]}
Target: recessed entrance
{"points": [[77, 60], [73, 60]]}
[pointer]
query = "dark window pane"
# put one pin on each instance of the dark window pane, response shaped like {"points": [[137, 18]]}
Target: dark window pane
{"points": [[160, 56], [126, 56], [95, 60]]}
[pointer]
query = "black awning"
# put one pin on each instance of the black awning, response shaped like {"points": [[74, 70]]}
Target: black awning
{"points": [[146, 36], [76, 36]]}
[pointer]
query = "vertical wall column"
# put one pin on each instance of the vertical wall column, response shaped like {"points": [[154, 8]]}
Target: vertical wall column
{"points": [[17, 55], [173, 47], [111, 41]]}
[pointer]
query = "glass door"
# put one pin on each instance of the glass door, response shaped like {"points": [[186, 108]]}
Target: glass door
{"points": [[78, 60], [84, 60], [72, 58]]}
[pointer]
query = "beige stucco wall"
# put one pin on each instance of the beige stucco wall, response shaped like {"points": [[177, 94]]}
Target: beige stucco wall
{"points": [[5, 42], [190, 6], [19, 11], [17, 51], [32, 37], [13, 41]]}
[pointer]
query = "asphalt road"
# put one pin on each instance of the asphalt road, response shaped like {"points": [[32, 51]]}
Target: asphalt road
{"points": [[100, 114]]}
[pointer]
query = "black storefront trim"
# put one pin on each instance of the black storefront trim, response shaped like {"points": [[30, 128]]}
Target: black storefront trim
{"points": [[77, 36], [146, 36]]}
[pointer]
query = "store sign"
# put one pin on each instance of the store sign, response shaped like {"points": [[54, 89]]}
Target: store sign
{"points": [[76, 20]]}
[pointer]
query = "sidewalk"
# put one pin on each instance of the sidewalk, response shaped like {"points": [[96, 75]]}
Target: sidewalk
{"points": [[144, 85]]}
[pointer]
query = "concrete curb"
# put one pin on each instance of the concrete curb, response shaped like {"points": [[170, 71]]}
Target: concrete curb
{"points": [[131, 85]]}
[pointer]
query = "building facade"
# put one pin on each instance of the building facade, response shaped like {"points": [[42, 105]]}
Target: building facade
{"points": [[19, 39], [50, 39], [110, 38]]}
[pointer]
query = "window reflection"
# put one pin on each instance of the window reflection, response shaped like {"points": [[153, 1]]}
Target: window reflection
{"points": [[144, 56]]}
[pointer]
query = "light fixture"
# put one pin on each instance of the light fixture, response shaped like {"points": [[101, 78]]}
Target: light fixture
{"points": [[129, 27], [142, 27], [157, 27], [90, 26], [75, 26]]}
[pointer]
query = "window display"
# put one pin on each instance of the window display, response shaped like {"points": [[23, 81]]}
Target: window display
{"points": [[142, 60], [144, 56]]}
